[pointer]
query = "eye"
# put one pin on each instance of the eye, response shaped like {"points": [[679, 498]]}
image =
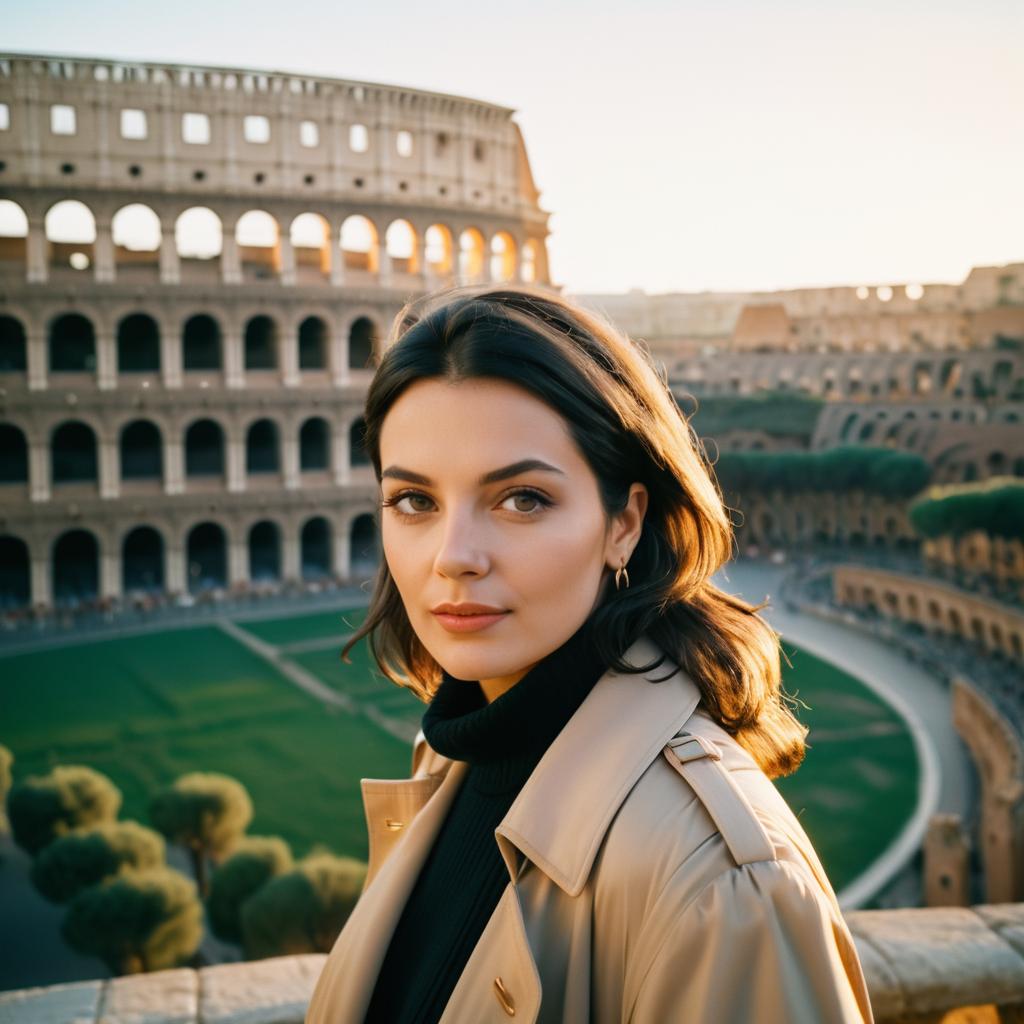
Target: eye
{"points": [[395, 500], [527, 495]]}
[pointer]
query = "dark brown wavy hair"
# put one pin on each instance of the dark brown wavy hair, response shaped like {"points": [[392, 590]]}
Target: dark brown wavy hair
{"points": [[628, 426]]}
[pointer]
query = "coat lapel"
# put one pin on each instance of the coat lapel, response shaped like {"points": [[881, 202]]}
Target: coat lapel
{"points": [[561, 815], [346, 984]]}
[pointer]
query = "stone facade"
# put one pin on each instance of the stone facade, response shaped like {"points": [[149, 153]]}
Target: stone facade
{"points": [[183, 413]]}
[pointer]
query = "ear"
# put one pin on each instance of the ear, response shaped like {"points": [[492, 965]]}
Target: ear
{"points": [[625, 529]]}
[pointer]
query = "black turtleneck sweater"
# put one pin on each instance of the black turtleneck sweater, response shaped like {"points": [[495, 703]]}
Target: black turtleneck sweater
{"points": [[463, 876]]}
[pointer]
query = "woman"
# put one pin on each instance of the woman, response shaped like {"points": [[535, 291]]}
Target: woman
{"points": [[590, 832]]}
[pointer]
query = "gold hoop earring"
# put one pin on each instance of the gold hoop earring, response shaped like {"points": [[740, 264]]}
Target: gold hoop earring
{"points": [[619, 573]]}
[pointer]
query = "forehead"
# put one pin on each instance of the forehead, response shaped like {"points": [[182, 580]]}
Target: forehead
{"points": [[473, 423]]}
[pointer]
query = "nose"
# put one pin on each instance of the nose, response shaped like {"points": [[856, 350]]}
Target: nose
{"points": [[462, 546]]}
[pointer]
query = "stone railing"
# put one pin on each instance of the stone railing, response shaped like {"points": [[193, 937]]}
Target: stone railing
{"points": [[954, 965]]}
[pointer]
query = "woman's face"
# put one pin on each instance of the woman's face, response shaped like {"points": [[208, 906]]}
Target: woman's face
{"points": [[467, 520]]}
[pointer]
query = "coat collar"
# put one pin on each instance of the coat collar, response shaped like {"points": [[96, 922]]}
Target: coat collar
{"points": [[605, 747]]}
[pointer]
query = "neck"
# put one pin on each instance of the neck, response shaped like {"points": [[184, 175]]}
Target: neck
{"points": [[494, 688]]}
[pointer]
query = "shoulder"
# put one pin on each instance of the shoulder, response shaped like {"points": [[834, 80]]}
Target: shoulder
{"points": [[702, 809]]}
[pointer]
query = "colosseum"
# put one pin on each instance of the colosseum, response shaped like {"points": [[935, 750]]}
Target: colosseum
{"points": [[197, 267]]}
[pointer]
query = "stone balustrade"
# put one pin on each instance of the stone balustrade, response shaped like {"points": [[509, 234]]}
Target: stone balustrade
{"points": [[954, 965]]}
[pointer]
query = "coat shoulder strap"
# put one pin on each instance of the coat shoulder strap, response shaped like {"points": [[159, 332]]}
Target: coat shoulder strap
{"points": [[699, 761]]}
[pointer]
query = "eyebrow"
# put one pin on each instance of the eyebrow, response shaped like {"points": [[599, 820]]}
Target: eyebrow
{"points": [[523, 466]]}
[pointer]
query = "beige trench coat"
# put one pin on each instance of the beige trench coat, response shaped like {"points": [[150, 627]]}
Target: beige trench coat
{"points": [[655, 875]]}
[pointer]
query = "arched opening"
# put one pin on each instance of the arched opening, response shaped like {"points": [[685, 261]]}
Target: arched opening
{"points": [[364, 546], [503, 257], [135, 230], [472, 253], [528, 263], [73, 454], [198, 234], [138, 344], [76, 568], [204, 449], [261, 448], [13, 455], [199, 238], [142, 561], [13, 236], [438, 250], [312, 344], [314, 445], [261, 343], [264, 551], [400, 245], [362, 344], [200, 345], [359, 244], [357, 455], [12, 345], [141, 451], [311, 243], [15, 582], [259, 249], [207, 554], [315, 548], [71, 237], [72, 344]]}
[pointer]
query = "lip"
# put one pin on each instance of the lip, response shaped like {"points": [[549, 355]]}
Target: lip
{"points": [[468, 617]]}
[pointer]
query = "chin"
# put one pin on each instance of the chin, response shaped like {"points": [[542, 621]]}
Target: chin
{"points": [[473, 666]]}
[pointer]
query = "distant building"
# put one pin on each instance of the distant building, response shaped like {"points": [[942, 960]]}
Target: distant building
{"points": [[196, 270]]}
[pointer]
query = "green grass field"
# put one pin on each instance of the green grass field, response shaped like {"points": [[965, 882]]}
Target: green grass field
{"points": [[145, 709]]}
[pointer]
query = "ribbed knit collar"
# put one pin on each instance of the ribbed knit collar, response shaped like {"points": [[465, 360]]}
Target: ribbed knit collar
{"points": [[503, 740]]}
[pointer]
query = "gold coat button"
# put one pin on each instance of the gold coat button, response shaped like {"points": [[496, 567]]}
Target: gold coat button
{"points": [[504, 997]]}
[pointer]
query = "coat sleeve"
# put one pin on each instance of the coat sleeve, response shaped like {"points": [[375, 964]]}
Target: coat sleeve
{"points": [[760, 942]]}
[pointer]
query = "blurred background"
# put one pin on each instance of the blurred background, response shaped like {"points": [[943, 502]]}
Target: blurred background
{"points": [[810, 216]]}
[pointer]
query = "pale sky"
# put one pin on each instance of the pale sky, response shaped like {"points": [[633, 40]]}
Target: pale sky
{"points": [[680, 146]]}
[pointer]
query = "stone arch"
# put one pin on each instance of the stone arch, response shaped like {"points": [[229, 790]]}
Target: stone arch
{"points": [[264, 544], [503, 257], [315, 548], [400, 243], [141, 448], [13, 236], [198, 234], [258, 237], [136, 234], [363, 343], [529, 264], [72, 344], [70, 236], [472, 256], [73, 453], [364, 545], [314, 343], [310, 236], [204, 448], [206, 557], [261, 343], [201, 344], [142, 560], [360, 244], [15, 574], [13, 351], [314, 445], [75, 567], [138, 344], [439, 250], [13, 455], [263, 447]]}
